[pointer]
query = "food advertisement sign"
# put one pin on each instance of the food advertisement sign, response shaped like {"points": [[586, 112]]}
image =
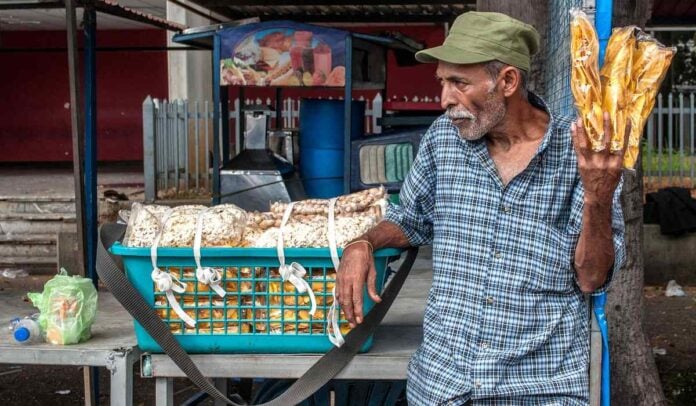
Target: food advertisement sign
{"points": [[282, 53]]}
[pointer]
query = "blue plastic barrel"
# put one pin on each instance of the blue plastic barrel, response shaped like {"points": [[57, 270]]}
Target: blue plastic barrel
{"points": [[321, 144]]}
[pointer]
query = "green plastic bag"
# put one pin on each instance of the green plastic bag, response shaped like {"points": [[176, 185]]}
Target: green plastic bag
{"points": [[68, 307]]}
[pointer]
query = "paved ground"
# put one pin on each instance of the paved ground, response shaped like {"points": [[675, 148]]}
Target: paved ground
{"points": [[670, 323], [58, 181]]}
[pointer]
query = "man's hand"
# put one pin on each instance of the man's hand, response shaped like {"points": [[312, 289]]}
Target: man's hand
{"points": [[357, 266], [600, 171]]}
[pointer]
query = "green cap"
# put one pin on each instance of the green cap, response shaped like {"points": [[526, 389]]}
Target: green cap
{"points": [[477, 37]]}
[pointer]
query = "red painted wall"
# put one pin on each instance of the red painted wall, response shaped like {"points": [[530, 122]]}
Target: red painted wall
{"points": [[35, 102], [34, 107]]}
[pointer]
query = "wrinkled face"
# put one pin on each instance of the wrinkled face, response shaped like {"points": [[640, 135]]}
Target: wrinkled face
{"points": [[472, 98]]}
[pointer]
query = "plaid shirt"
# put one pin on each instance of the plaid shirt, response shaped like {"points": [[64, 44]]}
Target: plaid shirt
{"points": [[505, 322]]}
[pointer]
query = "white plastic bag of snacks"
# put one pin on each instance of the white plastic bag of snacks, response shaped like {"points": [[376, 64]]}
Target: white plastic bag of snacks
{"points": [[307, 226], [222, 226], [144, 224]]}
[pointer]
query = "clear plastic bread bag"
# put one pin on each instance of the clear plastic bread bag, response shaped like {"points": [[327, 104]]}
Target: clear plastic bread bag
{"points": [[651, 61], [584, 77]]}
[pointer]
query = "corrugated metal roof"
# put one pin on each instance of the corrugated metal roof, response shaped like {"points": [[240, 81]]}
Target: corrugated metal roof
{"points": [[112, 7], [390, 11], [47, 14]]}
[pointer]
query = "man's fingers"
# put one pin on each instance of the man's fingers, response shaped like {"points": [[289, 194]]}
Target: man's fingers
{"points": [[346, 303], [344, 292], [627, 136], [372, 284], [577, 131], [358, 300], [607, 130]]}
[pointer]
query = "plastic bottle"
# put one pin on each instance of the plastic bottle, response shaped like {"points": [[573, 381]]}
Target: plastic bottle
{"points": [[26, 330]]}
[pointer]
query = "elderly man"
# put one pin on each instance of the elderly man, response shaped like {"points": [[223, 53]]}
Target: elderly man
{"points": [[523, 219]]}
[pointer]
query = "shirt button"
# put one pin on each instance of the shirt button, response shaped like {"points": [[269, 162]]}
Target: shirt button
{"points": [[498, 255], [484, 345], [506, 209], [478, 384], [489, 300]]}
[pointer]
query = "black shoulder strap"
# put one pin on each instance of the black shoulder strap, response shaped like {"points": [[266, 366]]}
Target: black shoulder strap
{"points": [[326, 368]]}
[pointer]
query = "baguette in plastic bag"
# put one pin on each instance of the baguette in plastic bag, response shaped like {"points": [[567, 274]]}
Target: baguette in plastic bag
{"points": [[584, 77], [651, 61]]}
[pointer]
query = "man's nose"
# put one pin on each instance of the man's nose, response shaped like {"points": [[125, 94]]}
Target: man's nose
{"points": [[447, 97]]}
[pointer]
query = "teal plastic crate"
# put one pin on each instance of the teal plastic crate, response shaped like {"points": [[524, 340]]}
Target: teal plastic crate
{"points": [[259, 314]]}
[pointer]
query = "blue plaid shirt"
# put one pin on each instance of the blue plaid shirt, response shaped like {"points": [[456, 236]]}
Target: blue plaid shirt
{"points": [[505, 322]]}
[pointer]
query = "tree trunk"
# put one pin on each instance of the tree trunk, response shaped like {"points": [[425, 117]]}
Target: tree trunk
{"points": [[634, 377], [635, 380], [532, 12]]}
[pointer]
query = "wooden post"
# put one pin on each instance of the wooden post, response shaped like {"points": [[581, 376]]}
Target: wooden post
{"points": [[78, 143], [149, 156]]}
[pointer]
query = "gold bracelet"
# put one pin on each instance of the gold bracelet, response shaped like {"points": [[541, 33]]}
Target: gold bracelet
{"points": [[369, 244]]}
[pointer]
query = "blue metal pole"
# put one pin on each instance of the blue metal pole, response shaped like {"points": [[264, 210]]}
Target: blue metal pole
{"points": [[225, 125], [347, 115], [90, 174], [216, 119], [603, 26], [598, 303]]}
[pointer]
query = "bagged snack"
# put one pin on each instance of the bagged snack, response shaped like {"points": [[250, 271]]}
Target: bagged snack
{"points": [[351, 203], [221, 226], [651, 61], [616, 82], [144, 224], [311, 231], [584, 77], [179, 226], [68, 306], [308, 224], [634, 66]]}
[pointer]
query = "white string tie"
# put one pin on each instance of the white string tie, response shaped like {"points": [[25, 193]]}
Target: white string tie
{"points": [[334, 330], [165, 281], [168, 283], [207, 276], [295, 272]]}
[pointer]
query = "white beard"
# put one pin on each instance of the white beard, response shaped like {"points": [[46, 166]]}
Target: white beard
{"points": [[471, 127]]}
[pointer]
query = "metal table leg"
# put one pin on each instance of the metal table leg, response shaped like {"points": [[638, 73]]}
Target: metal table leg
{"points": [[164, 392], [120, 364], [221, 385]]}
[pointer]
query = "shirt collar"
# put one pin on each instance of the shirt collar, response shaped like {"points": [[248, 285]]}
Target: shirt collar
{"points": [[478, 147], [538, 102]]}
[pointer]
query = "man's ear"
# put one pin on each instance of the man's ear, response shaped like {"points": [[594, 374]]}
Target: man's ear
{"points": [[512, 80]]}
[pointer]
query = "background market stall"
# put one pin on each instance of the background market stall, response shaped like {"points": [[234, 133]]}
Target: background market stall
{"points": [[284, 54]]}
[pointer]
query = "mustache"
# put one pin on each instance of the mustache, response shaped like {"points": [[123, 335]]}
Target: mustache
{"points": [[455, 114]]}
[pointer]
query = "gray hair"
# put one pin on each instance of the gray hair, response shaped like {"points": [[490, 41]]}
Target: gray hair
{"points": [[494, 68]]}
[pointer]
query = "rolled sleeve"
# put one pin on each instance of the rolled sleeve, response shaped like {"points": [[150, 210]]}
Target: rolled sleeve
{"points": [[618, 232], [618, 228], [414, 215]]}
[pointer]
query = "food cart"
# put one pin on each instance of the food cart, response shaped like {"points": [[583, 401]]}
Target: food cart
{"points": [[285, 54]]}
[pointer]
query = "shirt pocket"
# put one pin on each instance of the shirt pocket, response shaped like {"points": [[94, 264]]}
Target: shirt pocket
{"points": [[544, 258]]}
